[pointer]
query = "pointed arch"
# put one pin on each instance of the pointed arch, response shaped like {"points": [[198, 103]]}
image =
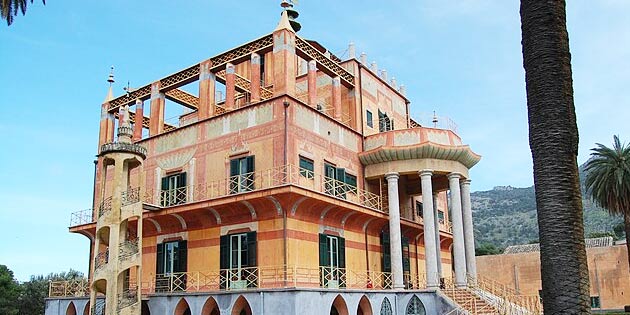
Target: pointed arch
{"points": [[86, 309], [182, 308], [339, 306], [241, 307], [71, 310], [210, 307], [415, 307], [364, 308], [386, 307]]}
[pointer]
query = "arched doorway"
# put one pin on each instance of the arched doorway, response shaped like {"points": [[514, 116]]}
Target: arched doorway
{"points": [[144, 308], [365, 308], [339, 306], [241, 307], [71, 310], [415, 307], [182, 308], [210, 307]]}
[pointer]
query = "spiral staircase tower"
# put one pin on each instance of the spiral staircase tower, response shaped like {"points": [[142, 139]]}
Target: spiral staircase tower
{"points": [[117, 266]]}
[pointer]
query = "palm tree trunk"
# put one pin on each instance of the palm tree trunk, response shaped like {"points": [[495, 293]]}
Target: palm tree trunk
{"points": [[553, 139], [626, 224]]}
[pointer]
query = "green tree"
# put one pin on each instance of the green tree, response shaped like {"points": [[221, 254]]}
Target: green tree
{"points": [[9, 292], [608, 181], [487, 249], [553, 140], [10, 8], [31, 300]]}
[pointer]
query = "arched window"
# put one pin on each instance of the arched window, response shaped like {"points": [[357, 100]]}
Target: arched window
{"points": [[415, 307], [386, 307]]}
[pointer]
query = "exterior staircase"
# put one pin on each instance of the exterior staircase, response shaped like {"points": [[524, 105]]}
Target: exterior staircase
{"points": [[469, 303]]}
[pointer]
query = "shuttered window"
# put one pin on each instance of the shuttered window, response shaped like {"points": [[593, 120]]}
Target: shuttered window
{"points": [[307, 168], [332, 260], [238, 259], [242, 174], [171, 266], [174, 190]]}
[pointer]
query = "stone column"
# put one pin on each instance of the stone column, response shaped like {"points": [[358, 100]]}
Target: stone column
{"points": [[230, 87], [255, 78], [395, 241], [469, 235], [156, 125], [207, 87], [312, 83], [438, 251], [283, 60], [137, 126], [430, 258], [336, 97], [458, 231]]}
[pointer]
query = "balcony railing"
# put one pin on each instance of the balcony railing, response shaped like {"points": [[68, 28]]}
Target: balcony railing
{"points": [[128, 297], [81, 217], [264, 179], [76, 288], [128, 248], [101, 259], [99, 307], [106, 206], [131, 196]]}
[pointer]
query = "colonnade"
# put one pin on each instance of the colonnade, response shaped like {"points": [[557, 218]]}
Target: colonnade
{"points": [[461, 218]]}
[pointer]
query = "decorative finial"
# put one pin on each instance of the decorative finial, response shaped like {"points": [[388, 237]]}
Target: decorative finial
{"points": [[435, 120], [110, 79], [291, 15]]}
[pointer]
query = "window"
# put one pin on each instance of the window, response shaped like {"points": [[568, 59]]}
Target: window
{"points": [[386, 307], [441, 216], [386, 258], [419, 209], [174, 190], [595, 302], [368, 118], [242, 174], [306, 168], [415, 307], [384, 122], [171, 264], [332, 260], [337, 182], [238, 261]]}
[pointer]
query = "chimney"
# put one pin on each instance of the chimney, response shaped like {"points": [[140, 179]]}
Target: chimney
{"points": [[363, 59], [351, 51]]}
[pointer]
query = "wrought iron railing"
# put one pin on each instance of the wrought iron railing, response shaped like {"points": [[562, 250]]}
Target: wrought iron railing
{"points": [[128, 248], [81, 217], [131, 196], [105, 206], [124, 147], [264, 179], [99, 307], [128, 297], [101, 259]]}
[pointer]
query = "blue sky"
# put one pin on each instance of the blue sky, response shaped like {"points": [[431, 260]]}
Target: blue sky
{"points": [[460, 58]]}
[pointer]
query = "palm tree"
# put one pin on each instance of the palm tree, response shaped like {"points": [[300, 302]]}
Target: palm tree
{"points": [[9, 8], [553, 140], [608, 181]]}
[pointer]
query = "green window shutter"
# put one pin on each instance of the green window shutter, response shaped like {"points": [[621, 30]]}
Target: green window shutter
{"points": [[182, 248], [165, 183], [324, 259], [405, 254], [251, 249], [234, 169], [159, 256], [224, 255], [341, 174], [181, 179], [342, 252], [387, 262], [250, 163]]}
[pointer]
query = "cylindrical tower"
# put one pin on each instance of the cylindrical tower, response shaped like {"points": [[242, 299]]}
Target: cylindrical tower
{"points": [[118, 242]]}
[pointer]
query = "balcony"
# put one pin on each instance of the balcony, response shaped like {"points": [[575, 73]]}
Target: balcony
{"points": [[265, 179], [124, 147], [101, 260], [131, 196], [128, 297], [128, 248], [105, 206]]}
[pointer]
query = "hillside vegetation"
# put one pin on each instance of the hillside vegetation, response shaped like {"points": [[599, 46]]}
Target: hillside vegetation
{"points": [[506, 216]]}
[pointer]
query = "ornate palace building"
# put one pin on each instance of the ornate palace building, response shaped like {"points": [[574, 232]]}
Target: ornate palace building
{"points": [[294, 183]]}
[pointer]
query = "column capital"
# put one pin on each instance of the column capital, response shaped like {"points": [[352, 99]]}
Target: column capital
{"points": [[255, 58], [392, 176], [312, 65], [454, 176], [465, 182], [427, 172]]}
